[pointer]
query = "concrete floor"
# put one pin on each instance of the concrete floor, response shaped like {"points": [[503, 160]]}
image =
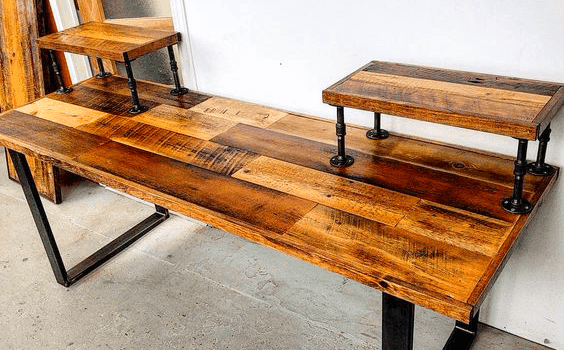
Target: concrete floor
{"points": [[184, 285]]}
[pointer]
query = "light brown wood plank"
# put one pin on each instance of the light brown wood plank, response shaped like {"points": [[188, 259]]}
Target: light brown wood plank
{"points": [[158, 23], [476, 164], [456, 227], [184, 121], [390, 255], [61, 112], [239, 111], [330, 190], [204, 154]]}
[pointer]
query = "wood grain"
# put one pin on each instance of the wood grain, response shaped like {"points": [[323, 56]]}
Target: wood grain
{"points": [[333, 191], [158, 23], [500, 105], [204, 154], [466, 162], [157, 93], [108, 40], [239, 111], [416, 219], [479, 197]]}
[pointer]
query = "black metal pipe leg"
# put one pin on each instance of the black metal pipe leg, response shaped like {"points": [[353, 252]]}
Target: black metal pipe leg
{"points": [[178, 90], [341, 159], [101, 71], [62, 89], [377, 133], [137, 108], [517, 204], [397, 323], [539, 167], [64, 277], [463, 335]]}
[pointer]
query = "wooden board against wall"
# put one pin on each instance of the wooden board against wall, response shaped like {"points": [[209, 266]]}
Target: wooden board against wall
{"points": [[22, 76]]}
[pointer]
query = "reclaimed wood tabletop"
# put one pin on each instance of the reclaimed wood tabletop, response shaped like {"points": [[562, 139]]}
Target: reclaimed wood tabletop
{"points": [[515, 107], [416, 219]]}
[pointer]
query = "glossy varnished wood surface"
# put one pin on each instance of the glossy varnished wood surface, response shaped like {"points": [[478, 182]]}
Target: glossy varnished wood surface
{"points": [[108, 40], [508, 106], [416, 219]]}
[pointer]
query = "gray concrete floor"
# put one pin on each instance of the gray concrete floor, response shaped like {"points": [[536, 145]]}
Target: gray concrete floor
{"points": [[184, 285]]}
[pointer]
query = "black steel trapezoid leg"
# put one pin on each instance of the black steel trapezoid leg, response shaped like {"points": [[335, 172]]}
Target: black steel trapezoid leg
{"points": [[462, 335], [178, 90], [539, 167], [62, 89], [137, 108], [517, 204], [341, 160], [398, 317], [40, 217], [101, 71], [64, 277], [377, 133]]}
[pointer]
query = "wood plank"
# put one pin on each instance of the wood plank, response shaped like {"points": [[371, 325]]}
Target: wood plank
{"points": [[464, 193], [118, 32], [61, 112], [549, 111], [239, 111], [330, 190], [204, 154], [102, 101], [460, 98], [468, 78], [44, 139], [264, 208], [157, 93], [466, 162], [391, 259], [456, 227], [184, 121]]}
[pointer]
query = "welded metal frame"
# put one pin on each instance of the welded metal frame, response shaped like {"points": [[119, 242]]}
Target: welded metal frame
{"points": [[64, 277], [398, 319]]}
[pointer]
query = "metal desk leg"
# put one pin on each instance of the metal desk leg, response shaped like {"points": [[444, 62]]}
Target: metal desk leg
{"points": [[137, 108], [540, 168], [101, 71], [377, 133], [62, 89], [516, 204], [341, 159], [64, 277], [397, 323], [178, 90], [463, 335]]}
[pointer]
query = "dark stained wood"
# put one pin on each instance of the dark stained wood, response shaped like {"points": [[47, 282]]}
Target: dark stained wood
{"points": [[102, 101], [471, 163], [467, 78], [476, 196], [109, 40], [451, 99], [148, 91], [416, 219]]}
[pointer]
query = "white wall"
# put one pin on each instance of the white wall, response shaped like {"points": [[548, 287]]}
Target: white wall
{"points": [[284, 53]]}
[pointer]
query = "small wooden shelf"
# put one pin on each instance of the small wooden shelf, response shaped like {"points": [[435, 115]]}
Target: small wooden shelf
{"points": [[507, 106], [109, 41]]}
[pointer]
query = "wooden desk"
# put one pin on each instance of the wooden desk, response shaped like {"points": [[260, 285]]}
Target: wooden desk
{"points": [[418, 220]]}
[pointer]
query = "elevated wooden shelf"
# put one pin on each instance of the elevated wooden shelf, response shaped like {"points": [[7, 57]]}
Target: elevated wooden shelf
{"points": [[415, 219], [507, 106], [109, 41]]}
